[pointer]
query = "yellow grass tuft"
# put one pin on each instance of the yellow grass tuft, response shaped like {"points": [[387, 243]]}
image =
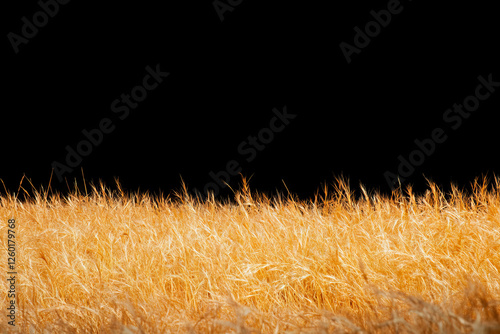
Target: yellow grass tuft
{"points": [[110, 262]]}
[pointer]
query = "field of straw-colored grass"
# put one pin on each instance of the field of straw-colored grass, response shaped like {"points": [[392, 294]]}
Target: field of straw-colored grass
{"points": [[104, 261]]}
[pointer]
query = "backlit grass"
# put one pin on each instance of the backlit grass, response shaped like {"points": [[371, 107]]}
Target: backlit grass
{"points": [[102, 261]]}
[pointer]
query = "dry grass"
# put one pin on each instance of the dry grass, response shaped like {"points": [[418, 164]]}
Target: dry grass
{"points": [[110, 262]]}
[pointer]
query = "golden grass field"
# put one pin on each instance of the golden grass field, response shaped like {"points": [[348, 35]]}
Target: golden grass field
{"points": [[103, 261]]}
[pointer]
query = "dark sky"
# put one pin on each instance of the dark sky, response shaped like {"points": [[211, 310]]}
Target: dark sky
{"points": [[296, 92]]}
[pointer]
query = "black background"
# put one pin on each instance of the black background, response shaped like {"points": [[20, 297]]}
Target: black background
{"points": [[227, 76]]}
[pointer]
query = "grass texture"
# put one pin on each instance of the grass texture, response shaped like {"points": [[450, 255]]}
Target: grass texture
{"points": [[103, 261]]}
